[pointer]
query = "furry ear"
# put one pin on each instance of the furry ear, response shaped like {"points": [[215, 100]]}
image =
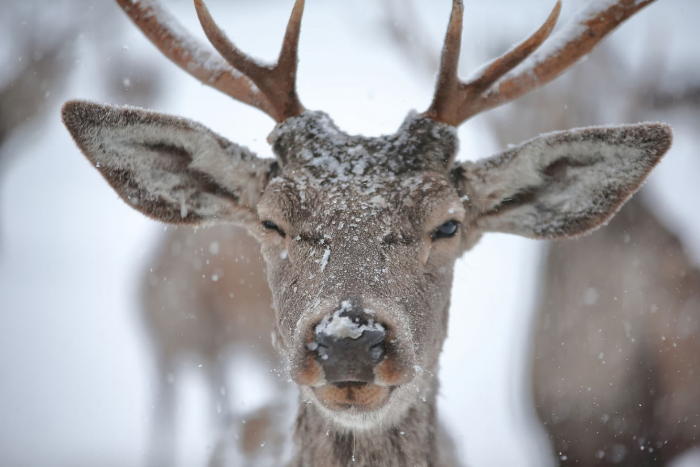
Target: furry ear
{"points": [[561, 184], [169, 168]]}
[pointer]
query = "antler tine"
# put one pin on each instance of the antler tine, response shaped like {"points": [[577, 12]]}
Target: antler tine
{"points": [[502, 65], [289, 55], [192, 56], [448, 84], [277, 82], [455, 101], [575, 40]]}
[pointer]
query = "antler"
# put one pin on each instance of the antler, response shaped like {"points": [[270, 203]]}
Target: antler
{"points": [[270, 89], [456, 101], [277, 82]]}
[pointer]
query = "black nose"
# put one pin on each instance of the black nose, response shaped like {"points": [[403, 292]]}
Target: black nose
{"points": [[348, 346]]}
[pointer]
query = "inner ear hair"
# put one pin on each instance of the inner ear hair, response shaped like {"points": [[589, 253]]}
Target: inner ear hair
{"points": [[554, 173], [171, 169], [562, 184]]}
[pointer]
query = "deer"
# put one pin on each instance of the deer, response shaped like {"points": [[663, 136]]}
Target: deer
{"points": [[205, 294], [614, 379], [360, 235], [617, 328]]}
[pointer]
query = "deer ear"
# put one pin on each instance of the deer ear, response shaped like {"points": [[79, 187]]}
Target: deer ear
{"points": [[561, 184], [169, 168]]}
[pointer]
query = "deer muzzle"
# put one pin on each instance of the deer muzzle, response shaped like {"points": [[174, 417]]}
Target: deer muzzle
{"points": [[352, 358]]}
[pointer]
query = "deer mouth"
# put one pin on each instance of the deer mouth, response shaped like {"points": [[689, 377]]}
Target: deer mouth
{"points": [[343, 396]]}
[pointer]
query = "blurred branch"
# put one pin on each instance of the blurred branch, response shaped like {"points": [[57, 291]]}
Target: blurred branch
{"points": [[658, 85], [24, 97], [663, 99], [41, 52]]}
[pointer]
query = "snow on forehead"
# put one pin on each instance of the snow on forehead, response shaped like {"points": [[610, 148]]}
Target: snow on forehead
{"points": [[373, 195], [313, 144]]}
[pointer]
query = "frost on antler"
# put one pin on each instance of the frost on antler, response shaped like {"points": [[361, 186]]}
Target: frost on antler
{"points": [[454, 100], [521, 69], [196, 58], [277, 82], [575, 40]]}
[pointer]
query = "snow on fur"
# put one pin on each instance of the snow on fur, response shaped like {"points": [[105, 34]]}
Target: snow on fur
{"points": [[565, 183], [169, 168], [339, 326], [571, 33], [201, 56]]}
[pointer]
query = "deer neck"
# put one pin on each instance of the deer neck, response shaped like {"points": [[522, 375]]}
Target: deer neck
{"points": [[412, 441]]}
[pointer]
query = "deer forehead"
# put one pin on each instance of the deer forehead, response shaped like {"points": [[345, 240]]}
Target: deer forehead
{"points": [[405, 206], [331, 177], [314, 142]]}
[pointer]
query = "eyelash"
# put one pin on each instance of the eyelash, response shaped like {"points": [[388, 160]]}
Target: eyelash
{"points": [[269, 225]]}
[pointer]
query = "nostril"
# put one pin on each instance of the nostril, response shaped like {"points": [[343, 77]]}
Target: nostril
{"points": [[348, 346], [376, 351], [321, 349], [369, 348]]}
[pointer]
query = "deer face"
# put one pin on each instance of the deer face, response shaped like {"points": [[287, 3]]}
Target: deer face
{"points": [[361, 234]]}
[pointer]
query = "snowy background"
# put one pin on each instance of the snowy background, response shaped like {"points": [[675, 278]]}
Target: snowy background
{"points": [[75, 371]]}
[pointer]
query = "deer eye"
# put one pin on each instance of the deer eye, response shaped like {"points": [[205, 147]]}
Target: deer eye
{"points": [[446, 230], [269, 225]]}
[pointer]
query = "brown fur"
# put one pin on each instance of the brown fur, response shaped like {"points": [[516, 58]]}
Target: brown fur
{"points": [[367, 397], [204, 292], [617, 346], [389, 373], [310, 372], [609, 377]]}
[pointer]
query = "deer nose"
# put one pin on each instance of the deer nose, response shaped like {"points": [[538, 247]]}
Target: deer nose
{"points": [[348, 348]]}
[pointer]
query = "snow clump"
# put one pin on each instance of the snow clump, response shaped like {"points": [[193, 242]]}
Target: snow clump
{"points": [[342, 326]]}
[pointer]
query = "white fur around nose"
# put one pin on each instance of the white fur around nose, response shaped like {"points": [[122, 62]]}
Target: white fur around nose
{"points": [[343, 327]]}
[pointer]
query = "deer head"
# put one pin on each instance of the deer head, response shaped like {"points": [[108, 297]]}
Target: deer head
{"points": [[360, 235]]}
